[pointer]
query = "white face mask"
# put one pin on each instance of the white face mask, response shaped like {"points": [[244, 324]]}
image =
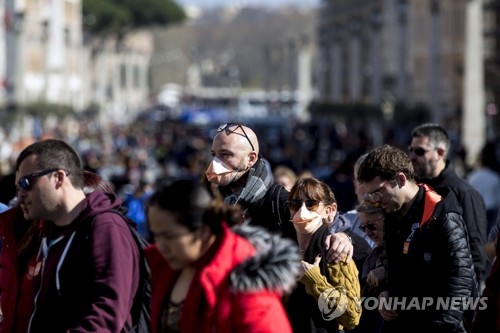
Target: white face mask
{"points": [[305, 221], [219, 173]]}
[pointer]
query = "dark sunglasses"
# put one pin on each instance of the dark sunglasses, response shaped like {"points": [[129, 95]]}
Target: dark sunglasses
{"points": [[26, 182], [419, 151], [368, 226], [231, 128], [371, 225], [311, 204]]}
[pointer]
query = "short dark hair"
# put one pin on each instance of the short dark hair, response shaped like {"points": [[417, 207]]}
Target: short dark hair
{"points": [[437, 135], [385, 162], [58, 154]]}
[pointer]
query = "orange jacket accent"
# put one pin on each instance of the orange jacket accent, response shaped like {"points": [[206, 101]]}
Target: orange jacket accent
{"points": [[431, 200]]}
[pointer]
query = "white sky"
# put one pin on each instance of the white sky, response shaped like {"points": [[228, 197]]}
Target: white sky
{"points": [[210, 3]]}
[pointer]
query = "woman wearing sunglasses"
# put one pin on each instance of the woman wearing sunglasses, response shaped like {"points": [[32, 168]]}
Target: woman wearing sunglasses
{"points": [[371, 218], [327, 298]]}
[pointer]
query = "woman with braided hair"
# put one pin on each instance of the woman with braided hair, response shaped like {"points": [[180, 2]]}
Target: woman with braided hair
{"points": [[328, 297]]}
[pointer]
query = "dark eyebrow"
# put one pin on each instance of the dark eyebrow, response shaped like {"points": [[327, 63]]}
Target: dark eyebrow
{"points": [[230, 152]]}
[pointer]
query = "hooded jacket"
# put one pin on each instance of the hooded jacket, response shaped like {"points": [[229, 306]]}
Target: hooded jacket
{"points": [[90, 271], [362, 249], [237, 286]]}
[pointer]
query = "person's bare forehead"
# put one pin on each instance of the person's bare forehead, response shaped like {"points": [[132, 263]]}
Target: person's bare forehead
{"points": [[228, 143]]}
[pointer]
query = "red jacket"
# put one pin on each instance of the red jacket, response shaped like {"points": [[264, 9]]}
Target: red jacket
{"points": [[235, 298], [17, 290]]}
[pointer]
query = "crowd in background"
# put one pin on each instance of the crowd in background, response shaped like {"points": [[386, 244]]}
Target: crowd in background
{"points": [[134, 157]]}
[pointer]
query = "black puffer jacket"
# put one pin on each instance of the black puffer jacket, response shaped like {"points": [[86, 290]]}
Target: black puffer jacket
{"points": [[473, 212], [437, 267]]}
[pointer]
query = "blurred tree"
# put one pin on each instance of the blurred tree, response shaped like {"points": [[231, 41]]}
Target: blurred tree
{"points": [[119, 16]]}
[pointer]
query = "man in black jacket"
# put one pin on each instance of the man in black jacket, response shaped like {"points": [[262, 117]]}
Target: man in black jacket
{"points": [[428, 153], [244, 177], [429, 266]]}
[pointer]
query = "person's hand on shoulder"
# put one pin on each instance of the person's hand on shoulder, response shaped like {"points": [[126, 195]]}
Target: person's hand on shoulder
{"points": [[339, 247]]}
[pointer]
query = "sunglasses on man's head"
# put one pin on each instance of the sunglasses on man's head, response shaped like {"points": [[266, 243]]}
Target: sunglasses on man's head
{"points": [[311, 204], [419, 151], [231, 128], [26, 182]]}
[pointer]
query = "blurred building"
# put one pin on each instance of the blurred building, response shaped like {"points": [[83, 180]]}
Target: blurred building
{"points": [[117, 75], [375, 52], [239, 47], [45, 60], [43, 47]]}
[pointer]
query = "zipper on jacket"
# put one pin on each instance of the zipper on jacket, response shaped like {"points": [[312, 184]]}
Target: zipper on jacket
{"points": [[44, 251], [61, 260], [36, 296]]}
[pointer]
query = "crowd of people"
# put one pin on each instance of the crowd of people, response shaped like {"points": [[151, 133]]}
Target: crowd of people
{"points": [[243, 244]]}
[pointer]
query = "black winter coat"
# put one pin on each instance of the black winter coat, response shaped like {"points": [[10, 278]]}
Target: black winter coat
{"points": [[473, 212], [438, 264], [272, 212]]}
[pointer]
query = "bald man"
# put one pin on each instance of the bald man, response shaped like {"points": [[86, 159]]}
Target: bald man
{"points": [[245, 178]]}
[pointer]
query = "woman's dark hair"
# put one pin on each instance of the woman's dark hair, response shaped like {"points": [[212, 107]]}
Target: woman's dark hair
{"points": [[313, 188], [27, 232], [193, 206], [93, 182]]}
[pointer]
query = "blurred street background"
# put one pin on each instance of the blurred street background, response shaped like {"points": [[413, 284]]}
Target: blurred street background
{"points": [[139, 86]]}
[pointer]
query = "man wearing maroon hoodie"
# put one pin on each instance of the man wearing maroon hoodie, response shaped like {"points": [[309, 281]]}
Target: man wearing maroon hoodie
{"points": [[88, 261]]}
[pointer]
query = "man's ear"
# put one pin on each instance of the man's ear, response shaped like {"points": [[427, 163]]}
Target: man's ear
{"points": [[400, 179], [252, 158], [441, 152], [59, 176]]}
